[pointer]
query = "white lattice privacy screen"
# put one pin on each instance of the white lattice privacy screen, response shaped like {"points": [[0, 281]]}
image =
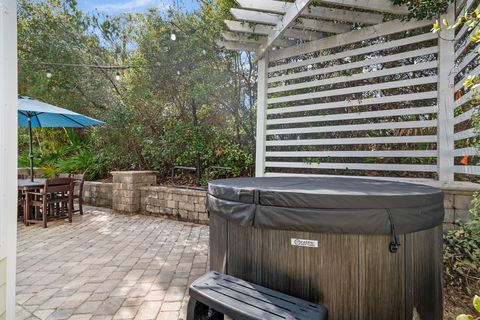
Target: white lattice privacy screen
{"points": [[379, 100], [466, 62]]}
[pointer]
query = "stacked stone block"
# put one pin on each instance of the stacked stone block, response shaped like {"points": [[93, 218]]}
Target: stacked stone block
{"points": [[457, 207], [181, 204], [98, 194], [126, 189]]}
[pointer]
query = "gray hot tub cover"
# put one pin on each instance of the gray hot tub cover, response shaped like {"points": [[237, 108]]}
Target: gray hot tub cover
{"points": [[327, 205]]}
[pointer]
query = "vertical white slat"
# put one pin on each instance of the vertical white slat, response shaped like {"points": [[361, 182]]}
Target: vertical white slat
{"points": [[446, 102], [8, 150], [262, 86]]}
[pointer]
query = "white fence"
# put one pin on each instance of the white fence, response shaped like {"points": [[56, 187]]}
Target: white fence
{"points": [[377, 100]]}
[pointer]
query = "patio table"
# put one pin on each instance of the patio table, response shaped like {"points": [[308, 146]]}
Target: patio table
{"points": [[25, 185], [28, 185]]}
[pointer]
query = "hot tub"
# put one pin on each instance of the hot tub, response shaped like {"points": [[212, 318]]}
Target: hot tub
{"points": [[366, 249]]}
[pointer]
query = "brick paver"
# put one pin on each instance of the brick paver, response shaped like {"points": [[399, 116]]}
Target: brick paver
{"points": [[108, 266]]}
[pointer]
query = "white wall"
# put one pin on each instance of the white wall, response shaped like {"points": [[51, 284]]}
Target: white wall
{"points": [[8, 155]]}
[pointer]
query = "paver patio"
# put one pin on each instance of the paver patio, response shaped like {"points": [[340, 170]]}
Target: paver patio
{"points": [[108, 266]]}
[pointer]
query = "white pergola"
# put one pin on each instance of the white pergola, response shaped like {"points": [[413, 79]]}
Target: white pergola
{"points": [[350, 85], [298, 21]]}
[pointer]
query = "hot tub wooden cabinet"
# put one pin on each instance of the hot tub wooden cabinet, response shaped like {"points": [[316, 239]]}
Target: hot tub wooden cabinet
{"points": [[366, 249]]}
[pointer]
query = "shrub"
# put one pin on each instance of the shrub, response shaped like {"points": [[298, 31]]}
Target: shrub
{"points": [[462, 251]]}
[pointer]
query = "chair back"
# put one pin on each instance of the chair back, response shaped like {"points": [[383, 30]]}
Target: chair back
{"points": [[64, 175], [58, 185], [78, 180]]}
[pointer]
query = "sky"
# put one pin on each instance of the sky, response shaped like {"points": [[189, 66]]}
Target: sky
{"points": [[113, 7]]}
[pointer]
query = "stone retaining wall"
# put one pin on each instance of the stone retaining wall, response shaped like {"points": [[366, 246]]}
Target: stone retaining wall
{"points": [[126, 189], [457, 207], [98, 194], [182, 204]]}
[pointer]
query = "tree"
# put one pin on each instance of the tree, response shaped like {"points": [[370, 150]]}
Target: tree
{"points": [[175, 102]]}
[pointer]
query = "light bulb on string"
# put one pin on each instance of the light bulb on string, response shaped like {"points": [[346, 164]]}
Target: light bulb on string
{"points": [[49, 74], [178, 72], [204, 51], [117, 76], [173, 35]]}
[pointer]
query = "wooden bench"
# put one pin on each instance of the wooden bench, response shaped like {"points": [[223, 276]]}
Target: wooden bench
{"points": [[216, 294]]}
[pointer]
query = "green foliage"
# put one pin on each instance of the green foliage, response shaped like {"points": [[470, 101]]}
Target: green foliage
{"points": [[470, 19], [74, 157], [476, 306], [462, 250], [424, 9], [476, 303], [81, 161], [24, 159], [182, 144], [233, 156], [180, 102]]}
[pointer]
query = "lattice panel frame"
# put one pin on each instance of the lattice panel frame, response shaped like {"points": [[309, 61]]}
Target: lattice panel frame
{"points": [[346, 108], [466, 162]]}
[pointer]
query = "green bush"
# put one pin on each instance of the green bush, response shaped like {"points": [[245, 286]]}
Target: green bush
{"points": [[425, 9], [183, 144], [75, 157], [462, 250]]}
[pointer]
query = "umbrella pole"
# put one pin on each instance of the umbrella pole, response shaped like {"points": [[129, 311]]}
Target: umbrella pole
{"points": [[30, 146]]}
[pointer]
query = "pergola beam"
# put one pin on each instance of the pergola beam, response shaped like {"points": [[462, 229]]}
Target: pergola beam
{"points": [[289, 18], [281, 7], [301, 23], [374, 5], [243, 38], [264, 30], [323, 26], [345, 38], [232, 36], [255, 16]]}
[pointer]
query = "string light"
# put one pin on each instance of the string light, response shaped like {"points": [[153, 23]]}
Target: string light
{"points": [[173, 37], [118, 76]]}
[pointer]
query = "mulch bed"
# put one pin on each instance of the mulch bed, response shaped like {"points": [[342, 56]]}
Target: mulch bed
{"points": [[459, 300]]}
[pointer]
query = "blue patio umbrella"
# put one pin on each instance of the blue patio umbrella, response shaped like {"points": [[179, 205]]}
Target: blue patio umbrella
{"points": [[34, 113]]}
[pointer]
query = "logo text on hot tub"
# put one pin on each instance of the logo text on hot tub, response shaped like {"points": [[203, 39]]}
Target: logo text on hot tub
{"points": [[304, 243]]}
